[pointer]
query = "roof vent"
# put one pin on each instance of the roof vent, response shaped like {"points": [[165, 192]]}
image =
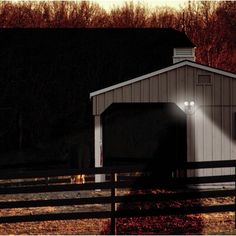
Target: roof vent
{"points": [[204, 79], [181, 54]]}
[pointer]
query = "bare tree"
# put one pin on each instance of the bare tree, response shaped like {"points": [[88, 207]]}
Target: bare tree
{"points": [[163, 18], [86, 14], [129, 15]]}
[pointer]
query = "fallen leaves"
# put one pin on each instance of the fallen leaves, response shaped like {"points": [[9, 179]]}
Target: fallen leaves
{"points": [[177, 224]]}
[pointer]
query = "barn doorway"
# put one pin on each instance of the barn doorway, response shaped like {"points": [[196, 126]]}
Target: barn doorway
{"points": [[150, 134]]}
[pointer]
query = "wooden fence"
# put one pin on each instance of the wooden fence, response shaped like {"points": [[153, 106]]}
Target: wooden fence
{"points": [[114, 182]]}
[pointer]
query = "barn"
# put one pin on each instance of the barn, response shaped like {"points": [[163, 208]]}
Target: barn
{"points": [[182, 112]]}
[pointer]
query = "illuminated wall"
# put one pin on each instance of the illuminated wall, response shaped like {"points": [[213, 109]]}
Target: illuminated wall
{"points": [[211, 130]]}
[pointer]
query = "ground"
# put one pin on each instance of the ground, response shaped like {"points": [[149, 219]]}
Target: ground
{"points": [[214, 223]]}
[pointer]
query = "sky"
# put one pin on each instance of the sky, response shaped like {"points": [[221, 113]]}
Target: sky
{"points": [[108, 4]]}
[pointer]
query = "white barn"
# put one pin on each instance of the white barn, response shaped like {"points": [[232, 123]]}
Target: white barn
{"points": [[206, 95]]}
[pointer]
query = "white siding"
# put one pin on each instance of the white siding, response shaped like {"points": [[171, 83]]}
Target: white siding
{"points": [[153, 89], [208, 127], [217, 121], [199, 127], [118, 95], [136, 92], [163, 88], [145, 90], [172, 85]]}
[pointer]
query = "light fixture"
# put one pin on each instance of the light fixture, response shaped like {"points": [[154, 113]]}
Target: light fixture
{"points": [[192, 103], [189, 107], [186, 103]]}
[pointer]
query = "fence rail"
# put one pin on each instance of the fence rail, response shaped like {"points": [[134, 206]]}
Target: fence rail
{"points": [[21, 174], [177, 185]]}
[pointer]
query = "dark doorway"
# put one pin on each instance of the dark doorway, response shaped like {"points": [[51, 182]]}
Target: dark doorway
{"points": [[151, 134]]}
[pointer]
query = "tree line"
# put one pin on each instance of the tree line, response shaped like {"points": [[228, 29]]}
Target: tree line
{"points": [[210, 25]]}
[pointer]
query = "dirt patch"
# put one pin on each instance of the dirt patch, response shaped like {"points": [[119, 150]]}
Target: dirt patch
{"points": [[74, 227]]}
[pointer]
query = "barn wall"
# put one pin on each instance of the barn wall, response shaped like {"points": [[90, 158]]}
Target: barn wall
{"points": [[211, 129]]}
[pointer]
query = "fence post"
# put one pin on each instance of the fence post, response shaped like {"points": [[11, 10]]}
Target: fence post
{"points": [[113, 203]]}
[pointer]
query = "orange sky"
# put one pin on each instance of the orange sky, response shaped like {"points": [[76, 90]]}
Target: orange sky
{"points": [[107, 4]]}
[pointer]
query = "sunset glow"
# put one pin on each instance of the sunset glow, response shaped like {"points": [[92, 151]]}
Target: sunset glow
{"points": [[108, 4]]}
